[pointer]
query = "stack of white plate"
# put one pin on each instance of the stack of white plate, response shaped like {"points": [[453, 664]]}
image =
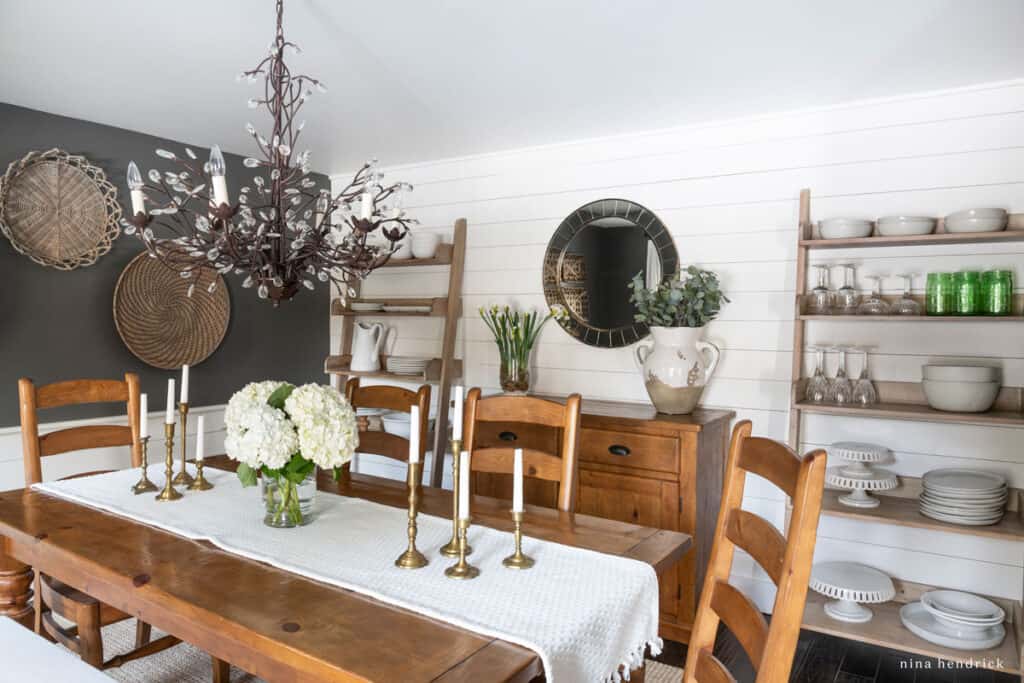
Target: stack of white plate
{"points": [[971, 497], [955, 619], [407, 365]]}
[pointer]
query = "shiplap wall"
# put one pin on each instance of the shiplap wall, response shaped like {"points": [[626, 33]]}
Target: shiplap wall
{"points": [[12, 474], [729, 193]]}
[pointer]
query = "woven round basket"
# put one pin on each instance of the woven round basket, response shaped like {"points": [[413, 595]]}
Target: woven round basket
{"points": [[160, 323], [58, 209]]}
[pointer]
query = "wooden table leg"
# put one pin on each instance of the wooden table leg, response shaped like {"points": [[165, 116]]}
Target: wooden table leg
{"points": [[221, 670], [15, 588]]}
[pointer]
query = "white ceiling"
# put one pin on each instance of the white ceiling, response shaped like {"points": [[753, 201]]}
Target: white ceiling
{"points": [[412, 80]]}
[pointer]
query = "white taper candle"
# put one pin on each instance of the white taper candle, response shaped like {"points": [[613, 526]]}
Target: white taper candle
{"points": [[169, 417], [464, 485], [414, 435], [457, 414], [200, 438], [517, 481], [184, 383], [143, 416]]}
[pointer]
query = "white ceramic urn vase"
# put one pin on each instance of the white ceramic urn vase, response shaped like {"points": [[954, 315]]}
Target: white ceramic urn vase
{"points": [[677, 367]]}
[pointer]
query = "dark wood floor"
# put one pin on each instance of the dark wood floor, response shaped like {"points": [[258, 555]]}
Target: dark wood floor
{"points": [[825, 659]]}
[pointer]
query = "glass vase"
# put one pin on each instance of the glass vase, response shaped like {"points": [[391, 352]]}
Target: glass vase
{"points": [[515, 375], [286, 503]]}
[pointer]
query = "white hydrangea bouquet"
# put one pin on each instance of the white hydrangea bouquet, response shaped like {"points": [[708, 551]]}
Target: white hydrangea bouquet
{"points": [[285, 432]]}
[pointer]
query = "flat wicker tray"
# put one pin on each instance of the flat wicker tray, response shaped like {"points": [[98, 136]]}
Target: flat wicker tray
{"points": [[58, 209], [160, 323]]}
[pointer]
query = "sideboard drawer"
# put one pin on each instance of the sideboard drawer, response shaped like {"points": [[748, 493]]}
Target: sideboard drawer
{"points": [[643, 451]]}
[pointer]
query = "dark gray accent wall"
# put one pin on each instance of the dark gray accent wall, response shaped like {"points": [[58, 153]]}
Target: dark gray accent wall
{"points": [[57, 325]]}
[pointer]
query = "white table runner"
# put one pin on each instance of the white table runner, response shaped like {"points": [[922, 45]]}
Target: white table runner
{"points": [[586, 614]]}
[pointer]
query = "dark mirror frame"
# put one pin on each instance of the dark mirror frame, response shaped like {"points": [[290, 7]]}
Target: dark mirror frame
{"points": [[579, 219]]}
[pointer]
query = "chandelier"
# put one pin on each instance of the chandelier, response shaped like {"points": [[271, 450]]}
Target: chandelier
{"points": [[283, 233]]}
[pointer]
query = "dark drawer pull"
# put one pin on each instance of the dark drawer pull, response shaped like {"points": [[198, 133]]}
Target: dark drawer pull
{"points": [[616, 449], [508, 436]]}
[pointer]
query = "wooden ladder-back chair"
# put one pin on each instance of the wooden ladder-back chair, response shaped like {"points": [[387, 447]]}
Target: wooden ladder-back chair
{"points": [[52, 596], [530, 410], [390, 398], [787, 560]]}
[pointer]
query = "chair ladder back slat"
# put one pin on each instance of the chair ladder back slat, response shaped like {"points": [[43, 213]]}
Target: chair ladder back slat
{"points": [[791, 597], [78, 391], [384, 444], [764, 458], [562, 468], [759, 539], [85, 437], [711, 670], [739, 613]]}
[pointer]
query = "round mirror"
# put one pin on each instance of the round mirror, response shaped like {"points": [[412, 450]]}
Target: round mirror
{"points": [[590, 261]]}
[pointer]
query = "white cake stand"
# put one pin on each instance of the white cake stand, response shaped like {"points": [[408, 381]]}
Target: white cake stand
{"points": [[859, 480], [849, 583]]}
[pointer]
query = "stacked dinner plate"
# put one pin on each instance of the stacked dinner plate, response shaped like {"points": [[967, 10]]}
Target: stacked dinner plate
{"points": [[971, 497], [955, 619], [407, 365]]}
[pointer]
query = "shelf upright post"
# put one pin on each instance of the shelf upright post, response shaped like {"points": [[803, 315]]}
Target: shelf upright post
{"points": [[803, 232]]}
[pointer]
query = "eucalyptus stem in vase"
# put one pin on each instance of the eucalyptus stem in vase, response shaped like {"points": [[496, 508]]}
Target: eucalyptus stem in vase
{"points": [[280, 434], [515, 333]]}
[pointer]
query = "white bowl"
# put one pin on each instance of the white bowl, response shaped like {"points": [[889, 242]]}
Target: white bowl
{"points": [[976, 220], [942, 372], [424, 245], [844, 228], [960, 397], [963, 608], [396, 423], [404, 250], [892, 226]]}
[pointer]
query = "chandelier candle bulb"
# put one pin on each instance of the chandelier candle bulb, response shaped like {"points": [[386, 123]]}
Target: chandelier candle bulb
{"points": [[143, 416], [464, 486], [135, 185], [457, 414], [218, 177], [184, 383], [169, 416], [366, 208], [517, 481], [414, 435]]}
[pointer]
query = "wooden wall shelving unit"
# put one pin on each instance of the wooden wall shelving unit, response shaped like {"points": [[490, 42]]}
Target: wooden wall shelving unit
{"points": [[905, 401], [441, 371]]}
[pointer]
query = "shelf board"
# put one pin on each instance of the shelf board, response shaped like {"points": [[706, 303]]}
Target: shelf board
{"points": [[1014, 234], [339, 365], [918, 318], [886, 630], [443, 257], [438, 307], [911, 411], [903, 512]]}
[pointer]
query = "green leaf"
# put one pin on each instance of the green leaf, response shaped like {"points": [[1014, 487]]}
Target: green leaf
{"points": [[297, 469], [280, 395], [246, 474]]}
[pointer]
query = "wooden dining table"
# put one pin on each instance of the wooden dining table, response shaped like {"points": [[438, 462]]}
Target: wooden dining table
{"points": [[272, 623]]}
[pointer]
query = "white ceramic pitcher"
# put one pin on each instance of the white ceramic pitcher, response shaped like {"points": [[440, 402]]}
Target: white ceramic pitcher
{"points": [[677, 367], [367, 340]]}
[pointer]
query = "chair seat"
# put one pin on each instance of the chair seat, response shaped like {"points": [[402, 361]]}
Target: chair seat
{"points": [[63, 600]]}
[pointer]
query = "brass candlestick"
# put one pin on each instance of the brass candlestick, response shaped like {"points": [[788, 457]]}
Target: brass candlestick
{"points": [[144, 485], [462, 569], [183, 478], [518, 560], [451, 549], [199, 483], [169, 492], [412, 558]]}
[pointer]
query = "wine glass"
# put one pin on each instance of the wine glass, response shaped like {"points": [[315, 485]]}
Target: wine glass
{"points": [[817, 389], [906, 305], [840, 389], [864, 393], [846, 297], [819, 302], [874, 304]]}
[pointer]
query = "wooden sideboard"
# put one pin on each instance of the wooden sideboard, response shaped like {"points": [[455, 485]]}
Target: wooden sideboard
{"points": [[642, 467]]}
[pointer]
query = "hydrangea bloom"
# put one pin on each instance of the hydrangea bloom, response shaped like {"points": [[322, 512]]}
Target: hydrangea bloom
{"points": [[326, 425]]}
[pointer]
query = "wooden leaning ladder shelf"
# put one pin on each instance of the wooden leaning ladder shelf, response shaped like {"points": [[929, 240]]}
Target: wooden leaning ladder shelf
{"points": [[441, 371], [905, 401]]}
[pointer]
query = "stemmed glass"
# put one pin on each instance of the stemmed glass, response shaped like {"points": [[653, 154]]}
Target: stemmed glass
{"points": [[819, 302], [840, 390], [906, 305], [864, 393], [874, 304], [846, 297], [817, 389]]}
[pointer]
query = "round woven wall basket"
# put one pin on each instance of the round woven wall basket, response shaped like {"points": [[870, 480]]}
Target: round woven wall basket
{"points": [[160, 323], [58, 209]]}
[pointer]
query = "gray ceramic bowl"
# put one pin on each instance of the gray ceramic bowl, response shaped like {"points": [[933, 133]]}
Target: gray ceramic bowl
{"points": [[976, 220], [960, 397]]}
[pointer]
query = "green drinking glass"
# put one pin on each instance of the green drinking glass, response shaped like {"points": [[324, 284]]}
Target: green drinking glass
{"points": [[967, 293], [997, 292], [939, 294]]}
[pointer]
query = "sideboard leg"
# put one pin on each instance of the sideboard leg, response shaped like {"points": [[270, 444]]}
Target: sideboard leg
{"points": [[15, 588]]}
